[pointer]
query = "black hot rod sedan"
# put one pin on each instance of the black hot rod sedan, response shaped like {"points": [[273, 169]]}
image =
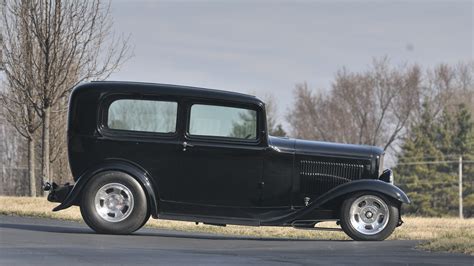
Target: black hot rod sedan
{"points": [[193, 154]]}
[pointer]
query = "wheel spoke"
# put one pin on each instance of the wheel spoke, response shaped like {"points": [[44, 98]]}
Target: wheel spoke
{"points": [[374, 203], [117, 214], [357, 210], [103, 211], [116, 190], [126, 202], [102, 194]]}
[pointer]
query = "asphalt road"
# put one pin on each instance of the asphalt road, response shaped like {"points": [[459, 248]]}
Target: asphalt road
{"points": [[33, 241]]}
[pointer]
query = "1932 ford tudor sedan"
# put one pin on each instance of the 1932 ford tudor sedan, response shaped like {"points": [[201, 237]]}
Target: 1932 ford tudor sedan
{"points": [[192, 154]]}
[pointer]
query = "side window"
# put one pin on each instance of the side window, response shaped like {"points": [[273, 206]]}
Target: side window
{"points": [[143, 115], [221, 121]]}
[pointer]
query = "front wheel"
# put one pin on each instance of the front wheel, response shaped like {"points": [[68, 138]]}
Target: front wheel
{"points": [[369, 216], [114, 203]]}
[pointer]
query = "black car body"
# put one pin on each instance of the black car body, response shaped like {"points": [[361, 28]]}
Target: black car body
{"points": [[194, 168]]}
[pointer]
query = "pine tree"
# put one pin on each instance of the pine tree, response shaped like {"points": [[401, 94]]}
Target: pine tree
{"points": [[415, 179], [425, 184], [433, 187], [463, 144]]}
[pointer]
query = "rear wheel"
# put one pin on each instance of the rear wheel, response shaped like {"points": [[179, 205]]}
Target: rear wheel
{"points": [[114, 203], [369, 216]]}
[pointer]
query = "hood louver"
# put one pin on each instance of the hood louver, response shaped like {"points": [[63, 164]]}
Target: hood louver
{"points": [[318, 177]]}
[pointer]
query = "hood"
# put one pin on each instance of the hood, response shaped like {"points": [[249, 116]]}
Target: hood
{"points": [[321, 148]]}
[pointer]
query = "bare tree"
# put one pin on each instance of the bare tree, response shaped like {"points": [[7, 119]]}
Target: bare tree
{"points": [[2, 5], [67, 42], [1, 53], [23, 118], [364, 108], [302, 117], [465, 81], [274, 127], [14, 179], [446, 86], [59, 159], [18, 101]]}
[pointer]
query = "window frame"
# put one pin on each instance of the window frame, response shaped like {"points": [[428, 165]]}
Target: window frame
{"points": [[220, 139], [105, 104]]}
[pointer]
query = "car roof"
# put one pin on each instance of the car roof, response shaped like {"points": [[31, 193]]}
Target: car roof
{"points": [[167, 89]]}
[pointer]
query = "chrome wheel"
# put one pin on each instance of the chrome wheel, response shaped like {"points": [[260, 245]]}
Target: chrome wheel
{"points": [[114, 202], [369, 215]]}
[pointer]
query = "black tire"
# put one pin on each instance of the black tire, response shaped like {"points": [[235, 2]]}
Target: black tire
{"points": [[147, 217], [136, 214], [382, 229]]}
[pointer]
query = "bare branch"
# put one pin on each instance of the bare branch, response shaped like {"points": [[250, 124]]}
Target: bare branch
{"points": [[49, 47]]}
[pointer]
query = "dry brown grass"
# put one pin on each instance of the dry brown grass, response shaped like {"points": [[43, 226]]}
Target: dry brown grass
{"points": [[443, 234], [459, 241]]}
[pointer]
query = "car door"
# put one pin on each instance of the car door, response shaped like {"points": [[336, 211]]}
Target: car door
{"points": [[222, 160]]}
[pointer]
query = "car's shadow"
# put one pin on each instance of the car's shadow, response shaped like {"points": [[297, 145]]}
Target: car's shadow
{"points": [[147, 232]]}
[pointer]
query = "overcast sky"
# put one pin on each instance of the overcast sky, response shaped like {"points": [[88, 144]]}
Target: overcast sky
{"points": [[269, 46]]}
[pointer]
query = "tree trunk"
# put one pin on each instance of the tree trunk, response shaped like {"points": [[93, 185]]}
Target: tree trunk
{"points": [[31, 166], [45, 146]]}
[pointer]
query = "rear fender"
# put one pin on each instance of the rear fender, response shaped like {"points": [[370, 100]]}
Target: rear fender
{"points": [[133, 170]]}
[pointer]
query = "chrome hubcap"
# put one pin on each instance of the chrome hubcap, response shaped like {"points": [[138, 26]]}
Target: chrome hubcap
{"points": [[114, 202], [369, 214]]}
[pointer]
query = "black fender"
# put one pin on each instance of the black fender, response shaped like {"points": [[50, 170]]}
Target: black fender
{"points": [[114, 165], [374, 185]]}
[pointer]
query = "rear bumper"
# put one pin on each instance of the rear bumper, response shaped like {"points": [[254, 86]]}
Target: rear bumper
{"points": [[57, 193]]}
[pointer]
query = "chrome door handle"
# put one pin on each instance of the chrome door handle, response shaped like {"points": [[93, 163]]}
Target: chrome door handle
{"points": [[186, 145]]}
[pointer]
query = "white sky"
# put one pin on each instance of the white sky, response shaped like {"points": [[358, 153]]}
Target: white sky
{"points": [[269, 46]]}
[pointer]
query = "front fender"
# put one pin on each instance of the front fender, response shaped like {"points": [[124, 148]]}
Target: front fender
{"points": [[352, 187], [362, 185], [339, 191], [115, 165]]}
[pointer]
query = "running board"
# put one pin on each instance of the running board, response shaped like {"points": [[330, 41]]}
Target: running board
{"points": [[210, 220], [310, 225], [320, 229]]}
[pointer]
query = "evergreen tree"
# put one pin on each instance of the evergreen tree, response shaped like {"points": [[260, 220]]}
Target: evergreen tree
{"points": [[463, 144], [433, 186]]}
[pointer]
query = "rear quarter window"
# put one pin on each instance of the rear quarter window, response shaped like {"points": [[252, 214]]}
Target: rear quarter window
{"points": [[142, 115]]}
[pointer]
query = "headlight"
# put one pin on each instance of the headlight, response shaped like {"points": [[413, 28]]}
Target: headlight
{"points": [[387, 176]]}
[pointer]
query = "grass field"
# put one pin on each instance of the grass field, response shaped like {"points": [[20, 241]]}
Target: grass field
{"points": [[439, 234]]}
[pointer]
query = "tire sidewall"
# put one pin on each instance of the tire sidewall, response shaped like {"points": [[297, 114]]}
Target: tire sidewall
{"points": [[356, 235], [133, 222]]}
